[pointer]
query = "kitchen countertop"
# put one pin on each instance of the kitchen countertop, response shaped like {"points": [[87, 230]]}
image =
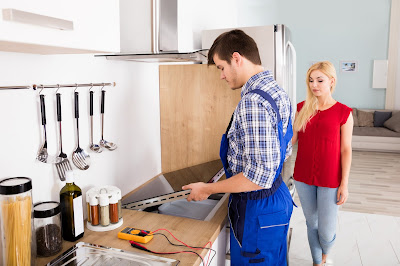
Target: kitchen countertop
{"points": [[190, 231]]}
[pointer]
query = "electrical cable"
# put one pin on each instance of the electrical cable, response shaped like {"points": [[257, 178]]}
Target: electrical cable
{"points": [[210, 249], [141, 247], [185, 243]]}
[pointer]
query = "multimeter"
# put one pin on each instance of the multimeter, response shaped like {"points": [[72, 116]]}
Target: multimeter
{"points": [[137, 235]]}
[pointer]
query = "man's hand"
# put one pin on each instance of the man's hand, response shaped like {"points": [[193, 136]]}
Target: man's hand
{"points": [[200, 191]]}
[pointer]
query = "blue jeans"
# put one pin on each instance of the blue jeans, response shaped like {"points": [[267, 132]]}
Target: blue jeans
{"points": [[320, 210]]}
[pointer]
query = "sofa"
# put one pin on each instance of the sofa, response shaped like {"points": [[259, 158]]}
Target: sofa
{"points": [[376, 130]]}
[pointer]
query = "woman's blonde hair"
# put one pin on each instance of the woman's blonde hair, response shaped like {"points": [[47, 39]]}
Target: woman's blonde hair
{"points": [[311, 103]]}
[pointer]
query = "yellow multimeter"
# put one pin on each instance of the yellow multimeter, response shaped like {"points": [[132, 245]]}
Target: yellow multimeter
{"points": [[137, 235]]}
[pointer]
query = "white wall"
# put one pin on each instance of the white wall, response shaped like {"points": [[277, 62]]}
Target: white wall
{"points": [[132, 120], [334, 31], [132, 115], [397, 88]]}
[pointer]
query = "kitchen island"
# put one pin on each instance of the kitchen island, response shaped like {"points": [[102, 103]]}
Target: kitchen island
{"points": [[190, 231]]}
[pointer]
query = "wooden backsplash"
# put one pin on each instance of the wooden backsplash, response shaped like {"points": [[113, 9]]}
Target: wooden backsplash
{"points": [[196, 106]]}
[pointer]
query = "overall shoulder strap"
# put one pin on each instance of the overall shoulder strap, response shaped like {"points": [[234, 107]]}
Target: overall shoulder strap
{"points": [[271, 101]]}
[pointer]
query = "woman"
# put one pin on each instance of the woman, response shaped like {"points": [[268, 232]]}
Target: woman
{"points": [[323, 127]]}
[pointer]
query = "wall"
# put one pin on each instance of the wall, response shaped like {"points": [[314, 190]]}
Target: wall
{"points": [[397, 90], [132, 117], [326, 30], [131, 120]]}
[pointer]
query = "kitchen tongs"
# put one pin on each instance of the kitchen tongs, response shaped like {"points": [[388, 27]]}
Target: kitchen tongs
{"points": [[161, 199]]}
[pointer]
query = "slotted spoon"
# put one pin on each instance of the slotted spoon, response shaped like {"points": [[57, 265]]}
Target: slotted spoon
{"points": [[80, 158]]}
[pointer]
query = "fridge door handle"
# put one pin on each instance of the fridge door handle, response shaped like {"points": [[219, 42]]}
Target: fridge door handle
{"points": [[290, 66]]}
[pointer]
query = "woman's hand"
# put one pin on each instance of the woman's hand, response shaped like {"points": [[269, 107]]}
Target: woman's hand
{"points": [[342, 195]]}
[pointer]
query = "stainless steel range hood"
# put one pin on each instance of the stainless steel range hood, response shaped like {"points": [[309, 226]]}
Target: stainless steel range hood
{"points": [[198, 56], [157, 31]]}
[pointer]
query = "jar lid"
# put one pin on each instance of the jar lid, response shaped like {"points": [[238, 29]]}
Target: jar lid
{"points": [[15, 185], [104, 200], [46, 209]]}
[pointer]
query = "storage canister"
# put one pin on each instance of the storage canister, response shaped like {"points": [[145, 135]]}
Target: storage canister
{"points": [[17, 242], [47, 228]]}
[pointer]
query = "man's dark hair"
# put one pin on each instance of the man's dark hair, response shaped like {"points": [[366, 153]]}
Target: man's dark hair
{"points": [[234, 41]]}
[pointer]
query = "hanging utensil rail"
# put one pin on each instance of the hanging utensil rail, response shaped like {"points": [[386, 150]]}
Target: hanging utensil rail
{"points": [[40, 86], [15, 88]]}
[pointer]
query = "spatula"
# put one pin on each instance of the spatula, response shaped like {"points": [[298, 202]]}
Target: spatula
{"points": [[80, 158], [62, 163]]}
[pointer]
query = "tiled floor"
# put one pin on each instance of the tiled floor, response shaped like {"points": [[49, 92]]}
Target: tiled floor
{"points": [[362, 239]]}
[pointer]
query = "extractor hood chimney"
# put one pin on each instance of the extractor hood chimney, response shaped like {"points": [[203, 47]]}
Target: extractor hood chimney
{"points": [[159, 31]]}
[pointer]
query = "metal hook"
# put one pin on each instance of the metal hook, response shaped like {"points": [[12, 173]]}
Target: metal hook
{"points": [[103, 86], [58, 85], [76, 87], [91, 84], [40, 92]]}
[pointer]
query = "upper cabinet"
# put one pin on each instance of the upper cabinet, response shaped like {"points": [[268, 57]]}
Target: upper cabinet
{"points": [[59, 27]]}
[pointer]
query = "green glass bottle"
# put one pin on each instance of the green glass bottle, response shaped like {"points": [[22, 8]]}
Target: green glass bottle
{"points": [[71, 210]]}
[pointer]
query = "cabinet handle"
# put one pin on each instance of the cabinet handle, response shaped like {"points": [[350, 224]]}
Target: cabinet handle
{"points": [[15, 15]]}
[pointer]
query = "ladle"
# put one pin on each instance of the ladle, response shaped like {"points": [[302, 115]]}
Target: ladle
{"points": [[94, 147], [108, 145], [80, 158]]}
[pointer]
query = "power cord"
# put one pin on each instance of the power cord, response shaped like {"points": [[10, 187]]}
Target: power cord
{"points": [[141, 247]]}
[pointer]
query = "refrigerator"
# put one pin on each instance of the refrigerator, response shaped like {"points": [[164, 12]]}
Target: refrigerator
{"points": [[277, 53]]}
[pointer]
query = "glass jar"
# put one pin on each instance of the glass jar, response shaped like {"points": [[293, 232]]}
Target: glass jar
{"points": [[104, 210], [48, 228], [94, 210], [17, 242], [113, 208]]}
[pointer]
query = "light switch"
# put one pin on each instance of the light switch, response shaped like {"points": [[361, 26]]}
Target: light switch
{"points": [[379, 79]]}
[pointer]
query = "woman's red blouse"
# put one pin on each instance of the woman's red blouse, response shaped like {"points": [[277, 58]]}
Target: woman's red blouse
{"points": [[318, 155]]}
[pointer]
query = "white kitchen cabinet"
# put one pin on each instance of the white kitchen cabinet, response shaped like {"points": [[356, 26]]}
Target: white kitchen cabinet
{"points": [[221, 246], [95, 26]]}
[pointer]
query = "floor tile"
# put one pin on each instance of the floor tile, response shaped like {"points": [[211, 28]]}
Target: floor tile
{"points": [[362, 240]]}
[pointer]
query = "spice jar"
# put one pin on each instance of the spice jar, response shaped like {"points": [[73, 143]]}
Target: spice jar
{"points": [[17, 242], [89, 218], [119, 196], [104, 210], [48, 228], [113, 209], [94, 210]]}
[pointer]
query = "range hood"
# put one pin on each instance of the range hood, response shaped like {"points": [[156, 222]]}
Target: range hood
{"points": [[159, 31]]}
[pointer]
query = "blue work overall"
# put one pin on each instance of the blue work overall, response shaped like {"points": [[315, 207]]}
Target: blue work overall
{"points": [[259, 220]]}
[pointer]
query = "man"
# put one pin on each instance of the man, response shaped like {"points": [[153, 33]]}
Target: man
{"points": [[253, 149]]}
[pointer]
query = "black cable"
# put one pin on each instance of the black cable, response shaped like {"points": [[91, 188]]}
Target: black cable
{"points": [[179, 245]]}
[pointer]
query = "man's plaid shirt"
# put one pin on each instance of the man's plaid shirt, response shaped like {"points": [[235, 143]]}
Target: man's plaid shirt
{"points": [[253, 135]]}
